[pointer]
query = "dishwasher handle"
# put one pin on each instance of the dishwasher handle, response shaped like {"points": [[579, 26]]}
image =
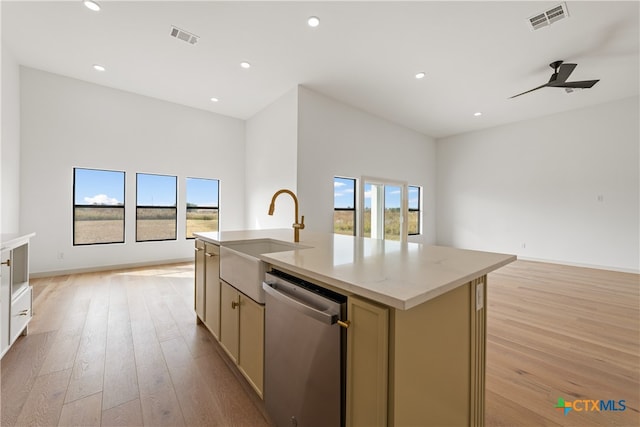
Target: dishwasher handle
{"points": [[312, 312]]}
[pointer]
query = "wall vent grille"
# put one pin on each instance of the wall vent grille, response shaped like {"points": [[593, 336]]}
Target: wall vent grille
{"points": [[183, 35], [548, 17]]}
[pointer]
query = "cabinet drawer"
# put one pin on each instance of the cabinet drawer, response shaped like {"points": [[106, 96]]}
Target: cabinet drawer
{"points": [[20, 313]]}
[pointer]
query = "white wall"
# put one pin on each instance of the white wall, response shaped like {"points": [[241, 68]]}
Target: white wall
{"points": [[537, 183], [271, 162], [335, 139], [67, 123], [10, 145]]}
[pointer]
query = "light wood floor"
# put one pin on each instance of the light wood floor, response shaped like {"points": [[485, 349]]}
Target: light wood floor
{"points": [[121, 348]]}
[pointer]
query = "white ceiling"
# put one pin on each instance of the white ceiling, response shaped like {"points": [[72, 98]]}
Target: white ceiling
{"points": [[365, 54]]}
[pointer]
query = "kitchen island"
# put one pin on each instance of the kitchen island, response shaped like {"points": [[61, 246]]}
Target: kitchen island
{"points": [[416, 321]]}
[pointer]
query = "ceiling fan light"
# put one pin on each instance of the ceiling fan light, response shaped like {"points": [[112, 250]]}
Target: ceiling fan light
{"points": [[421, 75], [91, 5], [99, 67]]}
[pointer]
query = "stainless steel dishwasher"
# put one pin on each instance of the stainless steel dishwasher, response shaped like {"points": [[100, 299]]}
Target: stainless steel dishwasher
{"points": [[305, 353]]}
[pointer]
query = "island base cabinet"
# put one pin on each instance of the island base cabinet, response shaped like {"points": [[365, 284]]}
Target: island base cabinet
{"points": [[212, 289], [229, 319], [251, 345], [242, 333], [419, 367], [199, 303], [367, 363], [437, 360]]}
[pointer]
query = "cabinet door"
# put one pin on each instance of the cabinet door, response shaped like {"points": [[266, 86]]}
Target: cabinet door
{"points": [[229, 319], [5, 300], [212, 288], [367, 363], [199, 280], [251, 346]]}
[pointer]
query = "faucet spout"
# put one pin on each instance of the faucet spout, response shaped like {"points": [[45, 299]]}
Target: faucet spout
{"points": [[297, 226]]}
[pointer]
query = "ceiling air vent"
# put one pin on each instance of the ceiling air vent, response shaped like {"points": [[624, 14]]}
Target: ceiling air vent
{"points": [[184, 35], [548, 17]]}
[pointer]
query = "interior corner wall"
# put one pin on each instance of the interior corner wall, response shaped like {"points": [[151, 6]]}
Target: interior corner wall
{"points": [[561, 188], [335, 139], [10, 148], [271, 162], [67, 123]]}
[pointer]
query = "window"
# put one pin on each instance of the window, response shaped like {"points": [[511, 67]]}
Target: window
{"points": [[202, 205], [383, 215], [156, 211], [344, 206], [413, 227], [98, 206]]}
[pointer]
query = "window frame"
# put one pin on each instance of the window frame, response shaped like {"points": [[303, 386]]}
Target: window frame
{"points": [[174, 207], [122, 206], [186, 192], [384, 182], [418, 209], [353, 209]]}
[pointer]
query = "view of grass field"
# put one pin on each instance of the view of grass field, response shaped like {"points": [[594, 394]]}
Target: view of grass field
{"points": [[106, 224], [201, 220], [343, 223], [98, 225]]}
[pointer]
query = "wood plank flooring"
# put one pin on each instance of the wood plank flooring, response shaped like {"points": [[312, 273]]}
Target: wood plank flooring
{"points": [[557, 331], [122, 348]]}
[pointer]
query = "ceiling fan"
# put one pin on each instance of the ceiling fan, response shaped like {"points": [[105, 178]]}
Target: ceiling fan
{"points": [[561, 73]]}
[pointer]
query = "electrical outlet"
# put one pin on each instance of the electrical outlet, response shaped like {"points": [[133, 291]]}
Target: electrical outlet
{"points": [[524, 246], [60, 255], [479, 296], [600, 198]]}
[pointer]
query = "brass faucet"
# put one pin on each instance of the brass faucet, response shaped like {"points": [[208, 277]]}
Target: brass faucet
{"points": [[297, 226]]}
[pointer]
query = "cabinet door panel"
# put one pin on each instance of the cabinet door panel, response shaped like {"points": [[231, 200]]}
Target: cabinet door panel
{"points": [[367, 363], [199, 279], [212, 289], [229, 319], [251, 351], [5, 300]]}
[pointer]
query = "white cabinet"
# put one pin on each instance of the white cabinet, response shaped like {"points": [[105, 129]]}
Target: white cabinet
{"points": [[15, 292]]}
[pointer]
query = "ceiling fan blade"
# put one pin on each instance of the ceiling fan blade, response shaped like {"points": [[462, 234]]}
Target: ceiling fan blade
{"points": [[531, 90], [584, 84], [564, 72]]}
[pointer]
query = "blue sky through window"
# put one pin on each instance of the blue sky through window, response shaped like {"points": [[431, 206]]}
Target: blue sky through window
{"points": [[343, 193], [202, 192], [414, 197], [156, 190], [98, 187]]}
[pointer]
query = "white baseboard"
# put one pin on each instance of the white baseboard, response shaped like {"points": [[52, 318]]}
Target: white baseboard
{"points": [[54, 273], [576, 264]]}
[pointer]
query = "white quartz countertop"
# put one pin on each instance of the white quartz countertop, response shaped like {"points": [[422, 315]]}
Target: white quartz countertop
{"points": [[11, 240], [400, 275]]}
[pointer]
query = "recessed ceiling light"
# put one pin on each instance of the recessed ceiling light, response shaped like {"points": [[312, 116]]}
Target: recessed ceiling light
{"points": [[98, 67], [214, 99], [245, 65], [478, 114], [313, 21], [420, 75], [92, 5]]}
